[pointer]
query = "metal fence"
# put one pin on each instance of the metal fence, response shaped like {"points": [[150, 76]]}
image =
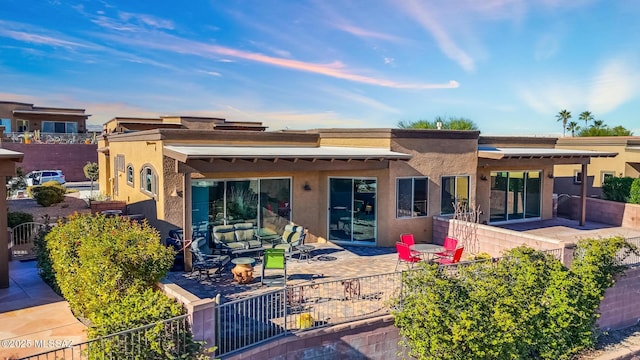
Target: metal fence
{"points": [[51, 138], [173, 337], [246, 322], [630, 258]]}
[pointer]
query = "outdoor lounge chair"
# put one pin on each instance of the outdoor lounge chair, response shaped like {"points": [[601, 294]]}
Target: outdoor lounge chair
{"points": [[292, 237], [457, 255], [203, 263], [274, 259], [449, 245], [405, 256]]}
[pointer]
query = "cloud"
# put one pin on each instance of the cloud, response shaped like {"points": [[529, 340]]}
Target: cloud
{"points": [[334, 69], [361, 99], [615, 84], [612, 85], [360, 32], [148, 20], [547, 46], [38, 39]]}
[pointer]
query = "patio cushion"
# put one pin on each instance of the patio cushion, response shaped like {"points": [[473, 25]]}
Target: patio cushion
{"points": [[224, 233]]}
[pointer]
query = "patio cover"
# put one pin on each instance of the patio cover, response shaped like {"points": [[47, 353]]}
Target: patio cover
{"points": [[184, 153], [495, 153]]}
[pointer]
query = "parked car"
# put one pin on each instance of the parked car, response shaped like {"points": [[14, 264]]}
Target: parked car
{"points": [[38, 177]]}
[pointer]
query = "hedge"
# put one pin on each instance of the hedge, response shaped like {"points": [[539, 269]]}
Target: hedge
{"points": [[526, 306], [48, 193], [16, 218]]}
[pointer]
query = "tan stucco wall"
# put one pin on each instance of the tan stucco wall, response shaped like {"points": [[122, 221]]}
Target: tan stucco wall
{"points": [[617, 165]]}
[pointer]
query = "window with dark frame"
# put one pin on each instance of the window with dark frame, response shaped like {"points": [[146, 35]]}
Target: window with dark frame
{"points": [[148, 181], [577, 177], [455, 189], [412, 195]]}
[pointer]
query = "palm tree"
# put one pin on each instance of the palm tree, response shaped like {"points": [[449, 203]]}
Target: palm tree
{"points": [[573, 127], [598, 124], [586, 117], [564, 116]]}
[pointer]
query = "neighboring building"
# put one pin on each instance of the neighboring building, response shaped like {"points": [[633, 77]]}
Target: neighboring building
{"points": [[19, 117], [568, 178], [121, 125], [351, 186], [8, 161]]}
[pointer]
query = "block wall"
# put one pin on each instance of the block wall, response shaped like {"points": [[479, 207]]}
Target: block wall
{"points": [[70, 158], [620, 307]]}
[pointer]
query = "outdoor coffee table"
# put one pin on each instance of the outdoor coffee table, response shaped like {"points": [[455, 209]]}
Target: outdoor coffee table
{"points": [[427, 250], [305, 252], [243, 271]]}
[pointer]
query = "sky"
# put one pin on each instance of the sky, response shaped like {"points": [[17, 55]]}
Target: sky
{"points": [[508, 65]]}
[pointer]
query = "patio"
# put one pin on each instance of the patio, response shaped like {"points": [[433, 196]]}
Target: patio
{"points": [[328, 262], [569, 231]]}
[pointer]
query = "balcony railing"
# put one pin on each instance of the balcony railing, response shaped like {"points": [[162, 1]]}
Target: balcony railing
{"points": [[35, 137]]}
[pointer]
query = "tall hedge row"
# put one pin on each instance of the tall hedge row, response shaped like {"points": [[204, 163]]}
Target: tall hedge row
{"points": [[527, 306]]}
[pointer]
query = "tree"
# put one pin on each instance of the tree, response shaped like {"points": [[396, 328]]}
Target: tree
{"points": [[564, 116], [452, 123], [91, 172], [573, 127], [586, 117], [599, 128]]}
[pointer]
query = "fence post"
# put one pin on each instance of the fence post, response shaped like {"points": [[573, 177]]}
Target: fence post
{"points": [[568, 253]]}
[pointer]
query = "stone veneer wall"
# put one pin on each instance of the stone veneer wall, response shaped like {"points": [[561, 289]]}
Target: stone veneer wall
{"points": [[607, 212], [620, 307], [375, 338], [493, 240]]}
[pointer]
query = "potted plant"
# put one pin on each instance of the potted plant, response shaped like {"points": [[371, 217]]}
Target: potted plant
{"points": [[27, 137]]}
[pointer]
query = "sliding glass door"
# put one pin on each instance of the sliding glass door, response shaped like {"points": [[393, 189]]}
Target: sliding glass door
{"points": [[262, 202], [352, 210], [515, 195]]}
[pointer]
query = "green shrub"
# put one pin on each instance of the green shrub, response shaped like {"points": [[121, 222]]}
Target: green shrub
{"points": [[617, 188], [135, 308], [97, 260], [527, 306], [45, 267], [16, 218], [634, 196], [48, 193]]}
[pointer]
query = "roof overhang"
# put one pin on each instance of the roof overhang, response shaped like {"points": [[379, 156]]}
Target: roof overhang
{"points": [[11, 155], [185, 153], [49, 113], [496, 153]]}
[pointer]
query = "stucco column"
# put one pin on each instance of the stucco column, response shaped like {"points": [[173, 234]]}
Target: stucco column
{"points": [[583, 201], [186, 216], [4, 241]]}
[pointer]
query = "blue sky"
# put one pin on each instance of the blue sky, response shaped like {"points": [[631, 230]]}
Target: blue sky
{"points": [[508, 65]]}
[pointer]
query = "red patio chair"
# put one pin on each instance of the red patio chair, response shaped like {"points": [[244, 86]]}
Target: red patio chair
{"points": [[404, 255], [409, 240], [449, 245], [457, 255]]}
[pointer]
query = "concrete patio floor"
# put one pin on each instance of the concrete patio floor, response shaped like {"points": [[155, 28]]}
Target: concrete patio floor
{"points": [[568, 230], [33, 317]]}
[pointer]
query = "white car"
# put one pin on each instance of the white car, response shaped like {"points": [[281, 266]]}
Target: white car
{"points": [[38, 177]]}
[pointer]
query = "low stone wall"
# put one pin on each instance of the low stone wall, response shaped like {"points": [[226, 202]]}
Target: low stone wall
{"points": [[620, 307], [375, 338], [99, 206], [606, 212], [491, 239]]}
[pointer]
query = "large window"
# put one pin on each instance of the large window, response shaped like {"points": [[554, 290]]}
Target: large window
{"points": [[22, 125], [455, 190], [149, 180], [263, 202], [59, 127], [412, 197]]}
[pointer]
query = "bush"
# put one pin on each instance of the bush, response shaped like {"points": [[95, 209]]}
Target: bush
{"points": [[45, 267], [161, 341], [16, 218], [634, 194], [48, 193], [617, 188], [527, 306], [97, 260]]}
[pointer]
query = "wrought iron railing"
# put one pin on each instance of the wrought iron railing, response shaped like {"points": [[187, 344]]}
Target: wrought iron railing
{"points": [[173, 336], [630, 258]]}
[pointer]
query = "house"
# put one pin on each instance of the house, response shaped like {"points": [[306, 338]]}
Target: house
{"points": [[350, 186], [568, 178], [19, 117]]}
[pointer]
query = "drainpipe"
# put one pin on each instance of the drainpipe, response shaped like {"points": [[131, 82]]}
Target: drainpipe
{"points": [[583, 201]]}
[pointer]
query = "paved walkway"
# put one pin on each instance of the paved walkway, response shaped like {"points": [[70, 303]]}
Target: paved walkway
{"points": [[33, 318]]}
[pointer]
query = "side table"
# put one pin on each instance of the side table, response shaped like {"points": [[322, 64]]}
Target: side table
{"points": [[305, 252], [243, 271]]}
